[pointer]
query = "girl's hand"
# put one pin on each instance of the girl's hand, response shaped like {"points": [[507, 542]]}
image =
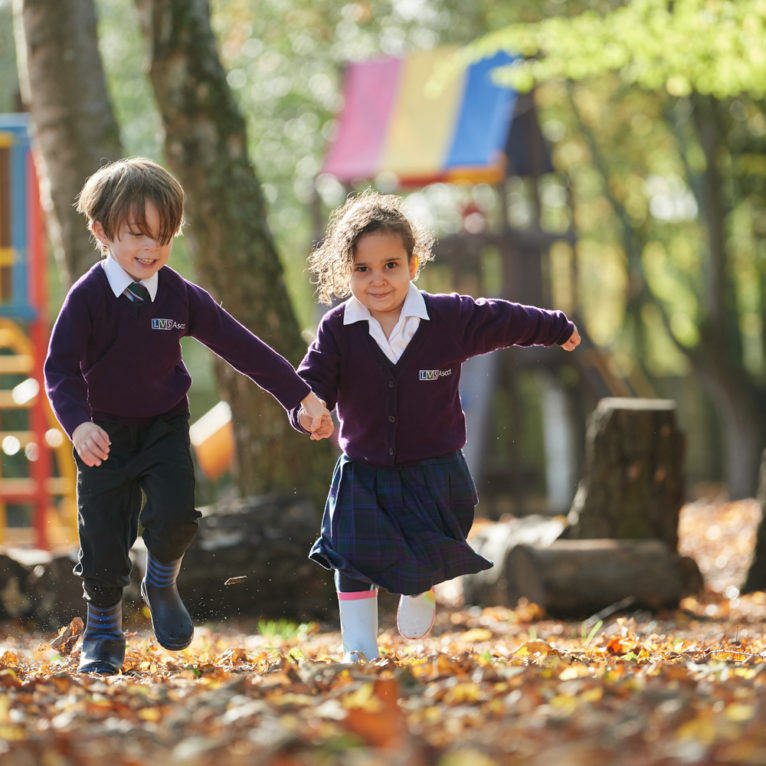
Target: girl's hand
{"points": [[314, 417], [325, 429], [573, 342], [91, 442]]}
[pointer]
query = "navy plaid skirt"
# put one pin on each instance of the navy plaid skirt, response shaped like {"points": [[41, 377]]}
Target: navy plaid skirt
{"points": [[401, 529]]}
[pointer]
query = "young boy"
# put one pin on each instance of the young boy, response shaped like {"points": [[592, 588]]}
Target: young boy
{"points": [[118, 386]]}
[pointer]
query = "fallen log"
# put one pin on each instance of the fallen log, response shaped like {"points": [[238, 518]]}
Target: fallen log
{"points": [[575, 578], [494, 542], [263, 542]]}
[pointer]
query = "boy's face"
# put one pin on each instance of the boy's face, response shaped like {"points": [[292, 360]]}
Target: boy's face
{"points": [[381, 274], [140, 255]]}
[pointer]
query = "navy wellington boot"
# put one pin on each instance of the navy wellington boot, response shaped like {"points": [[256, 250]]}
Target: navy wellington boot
{"points": [[103, 643], [172, 625]]}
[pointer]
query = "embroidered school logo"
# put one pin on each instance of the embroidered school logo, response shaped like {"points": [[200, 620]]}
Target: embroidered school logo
{"points": [[167, 324], [434, 374]]}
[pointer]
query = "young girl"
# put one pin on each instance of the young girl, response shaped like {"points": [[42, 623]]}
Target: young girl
{"points": [[402, 500]]}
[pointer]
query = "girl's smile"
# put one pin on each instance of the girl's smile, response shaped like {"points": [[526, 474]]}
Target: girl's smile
{"points": [[381, 274]]}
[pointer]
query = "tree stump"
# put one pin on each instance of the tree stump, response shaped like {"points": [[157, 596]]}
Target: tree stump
{"points": [[633, 484], [577, 578], [756, 574]]}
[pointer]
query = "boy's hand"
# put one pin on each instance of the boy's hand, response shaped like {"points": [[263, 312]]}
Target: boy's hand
{"points": [[91, 442], [315, 417], [573, 342]]}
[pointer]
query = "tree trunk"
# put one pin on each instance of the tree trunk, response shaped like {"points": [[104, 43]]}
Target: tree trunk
{"points": [[576, 578], [75, 131], [718, 358], [633, 485], [233, 249], [756, 575]]}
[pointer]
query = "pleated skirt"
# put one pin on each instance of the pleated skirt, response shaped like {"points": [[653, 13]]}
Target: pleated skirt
{"points": [[400, 529]]}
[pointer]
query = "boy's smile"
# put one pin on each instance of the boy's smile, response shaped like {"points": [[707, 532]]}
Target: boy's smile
{"points": [[381, 274], [139, 254]]}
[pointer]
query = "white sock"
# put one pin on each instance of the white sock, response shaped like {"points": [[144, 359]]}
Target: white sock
{"points": [[359, 625], [415, 616]]}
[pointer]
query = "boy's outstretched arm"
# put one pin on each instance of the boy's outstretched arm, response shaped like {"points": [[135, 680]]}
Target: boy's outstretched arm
{"points": [[573, 342], [315, 418]]}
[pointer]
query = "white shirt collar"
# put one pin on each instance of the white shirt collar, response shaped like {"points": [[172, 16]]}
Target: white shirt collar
{"points": [[414, 306], [119, 279]]}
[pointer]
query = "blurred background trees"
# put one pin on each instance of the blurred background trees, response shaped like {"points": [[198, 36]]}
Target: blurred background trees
{"points": [[663, 141], [677, 153]]}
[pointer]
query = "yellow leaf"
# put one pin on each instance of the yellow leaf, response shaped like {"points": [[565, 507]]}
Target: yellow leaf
{"points": [[467, 757], [363, 698], [739, 712], [463, 693], [699, 729], [536, 648], [476, 636]]}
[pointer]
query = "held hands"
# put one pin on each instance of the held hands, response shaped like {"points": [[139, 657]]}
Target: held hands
{"points": [[315, 418], [91, 442], [573, 342]]}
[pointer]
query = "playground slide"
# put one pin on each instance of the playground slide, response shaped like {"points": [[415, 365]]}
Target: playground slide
{"points": [[212, 437]]}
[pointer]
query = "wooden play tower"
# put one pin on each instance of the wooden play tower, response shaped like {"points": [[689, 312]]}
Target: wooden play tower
{"points": [[399, 129], [37, 472]]}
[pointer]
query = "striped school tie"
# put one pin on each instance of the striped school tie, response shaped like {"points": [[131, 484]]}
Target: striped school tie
{"points": [[137, 292]]}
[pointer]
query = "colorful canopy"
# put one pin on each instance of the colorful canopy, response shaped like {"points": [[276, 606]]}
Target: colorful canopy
{"points": [[393, 123]]}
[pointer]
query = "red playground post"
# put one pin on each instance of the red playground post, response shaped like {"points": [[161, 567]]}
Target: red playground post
{"points": [[23, 343]]}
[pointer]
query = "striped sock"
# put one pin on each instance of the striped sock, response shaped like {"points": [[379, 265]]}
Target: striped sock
{"points": [[162, 575], [103, 623]]}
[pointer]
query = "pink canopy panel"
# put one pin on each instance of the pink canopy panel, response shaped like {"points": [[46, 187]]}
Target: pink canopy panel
{"points": [[394, 121]]}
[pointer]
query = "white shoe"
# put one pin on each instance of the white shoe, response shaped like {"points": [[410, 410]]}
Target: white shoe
{"points": [[415, 616], [359, 625]]}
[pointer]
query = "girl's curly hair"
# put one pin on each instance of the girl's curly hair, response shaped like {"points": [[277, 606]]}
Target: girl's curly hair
{"points": [[331, 261]]}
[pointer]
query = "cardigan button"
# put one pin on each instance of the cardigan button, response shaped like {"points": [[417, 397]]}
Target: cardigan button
{"points": [[390, 450], [391, 419], [390, 383]]}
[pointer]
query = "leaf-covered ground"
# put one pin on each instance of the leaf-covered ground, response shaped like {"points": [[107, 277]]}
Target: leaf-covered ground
{"points": [[491, 686]]}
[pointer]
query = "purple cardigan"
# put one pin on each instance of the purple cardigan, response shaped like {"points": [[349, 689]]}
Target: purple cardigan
{"points": [[112, 359], [392, 415]]}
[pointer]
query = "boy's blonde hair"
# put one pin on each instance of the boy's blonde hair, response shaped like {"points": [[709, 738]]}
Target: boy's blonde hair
{"points": [[331, 261], [119, 191]]}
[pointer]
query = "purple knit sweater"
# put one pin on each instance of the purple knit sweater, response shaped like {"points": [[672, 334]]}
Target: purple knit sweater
{"points": [[393, 415], [112, 359]]}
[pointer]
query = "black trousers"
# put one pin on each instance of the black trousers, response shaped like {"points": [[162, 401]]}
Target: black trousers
{"points": [[155, 458]]}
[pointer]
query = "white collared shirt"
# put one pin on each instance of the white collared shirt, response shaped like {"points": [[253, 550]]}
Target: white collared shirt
{"points": [[119, 279], [413, 310]]}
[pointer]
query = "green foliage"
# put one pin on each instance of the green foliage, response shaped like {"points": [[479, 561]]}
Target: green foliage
{"points": [[709, 46], [627, 93], [9, 86]]}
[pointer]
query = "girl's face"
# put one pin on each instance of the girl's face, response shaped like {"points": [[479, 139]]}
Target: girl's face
{"points": [[381, 274], [140, 255]]}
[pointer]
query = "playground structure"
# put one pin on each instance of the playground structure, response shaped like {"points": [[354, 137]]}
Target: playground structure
{"points": [[37, 474]]}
